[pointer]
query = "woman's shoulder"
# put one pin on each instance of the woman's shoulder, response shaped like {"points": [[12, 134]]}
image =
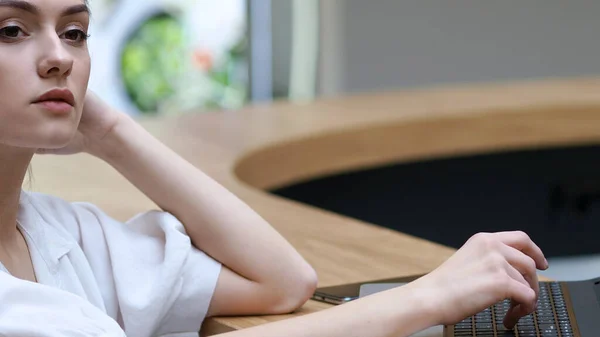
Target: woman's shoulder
{"points": [[51, 205], [71, 214], [36, 208]]}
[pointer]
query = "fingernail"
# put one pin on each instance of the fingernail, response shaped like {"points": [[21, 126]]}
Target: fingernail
{"points": [[547, 264]]}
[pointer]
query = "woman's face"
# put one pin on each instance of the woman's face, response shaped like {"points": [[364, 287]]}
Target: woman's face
{"points": [[44, 71]]}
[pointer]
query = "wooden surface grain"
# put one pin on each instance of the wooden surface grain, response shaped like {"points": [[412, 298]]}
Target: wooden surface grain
{"points": [[268, 146]]}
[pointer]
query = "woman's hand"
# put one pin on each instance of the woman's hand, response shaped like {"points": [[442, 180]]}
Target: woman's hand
{"points": [[487, 269], [97, 120]]}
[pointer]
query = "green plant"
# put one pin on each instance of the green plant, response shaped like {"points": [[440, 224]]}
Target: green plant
{"points": [[152, 60]]}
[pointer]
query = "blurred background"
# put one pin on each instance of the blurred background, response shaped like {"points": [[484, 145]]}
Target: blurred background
{"points": [[166, 57], [171, 56]]}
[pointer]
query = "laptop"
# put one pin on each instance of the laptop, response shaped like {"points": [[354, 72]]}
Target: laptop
{"points": [[565, 309]]}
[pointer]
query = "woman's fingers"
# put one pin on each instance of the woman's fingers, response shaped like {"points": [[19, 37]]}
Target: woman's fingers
{"points": [[522, 297], [524, 264], [516, 276], [514, 313], [521, 241]]}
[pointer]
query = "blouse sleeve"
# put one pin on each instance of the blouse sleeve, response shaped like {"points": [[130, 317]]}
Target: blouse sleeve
{"points": [[162, 284]]}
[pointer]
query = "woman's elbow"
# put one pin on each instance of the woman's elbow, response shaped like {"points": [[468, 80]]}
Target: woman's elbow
{"points": [[295, 293]]}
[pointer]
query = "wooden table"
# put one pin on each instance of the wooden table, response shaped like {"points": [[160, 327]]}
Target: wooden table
{"points": [[268, 146]]}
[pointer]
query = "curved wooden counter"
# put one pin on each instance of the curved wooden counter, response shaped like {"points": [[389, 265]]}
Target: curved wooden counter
{"points": [[264, 147]]}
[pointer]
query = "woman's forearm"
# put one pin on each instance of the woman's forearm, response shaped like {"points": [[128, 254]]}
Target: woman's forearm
{"points": [[217, 221], [395, 313]]}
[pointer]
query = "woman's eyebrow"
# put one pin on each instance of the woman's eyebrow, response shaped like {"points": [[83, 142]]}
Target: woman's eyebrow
{"points": [[33, 9], [19, 4], [76, 10]]}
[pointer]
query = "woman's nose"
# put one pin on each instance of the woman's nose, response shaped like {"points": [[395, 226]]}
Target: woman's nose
{"points": [[55, 60]]}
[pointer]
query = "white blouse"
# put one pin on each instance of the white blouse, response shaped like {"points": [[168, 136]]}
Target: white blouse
{"points": [[99, 277]]}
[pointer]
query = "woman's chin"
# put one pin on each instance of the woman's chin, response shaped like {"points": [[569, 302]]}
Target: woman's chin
{"points": [[56, 143], [52, 141]]}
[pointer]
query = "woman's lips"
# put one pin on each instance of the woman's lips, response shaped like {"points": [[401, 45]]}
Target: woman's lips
{"points": [[56, 107], [58, 101]]}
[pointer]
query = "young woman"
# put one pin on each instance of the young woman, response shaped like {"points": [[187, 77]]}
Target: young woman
{"points": [[68, 269]]}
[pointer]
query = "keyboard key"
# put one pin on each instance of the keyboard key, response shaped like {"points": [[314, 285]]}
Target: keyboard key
{"points": [[500, 327], [564, 325], [483, 326], [545, 312], [532, 332], [509, 333], [526, 320]]}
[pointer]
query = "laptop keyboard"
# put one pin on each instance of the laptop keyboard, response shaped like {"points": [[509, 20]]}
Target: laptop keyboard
{"points": [[551, 318]]}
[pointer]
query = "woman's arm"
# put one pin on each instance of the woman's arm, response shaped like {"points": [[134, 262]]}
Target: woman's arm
{"points": [[262, 272], [487, 269], [393, 313]]}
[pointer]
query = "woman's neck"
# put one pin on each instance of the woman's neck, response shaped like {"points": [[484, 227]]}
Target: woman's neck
{"points": [[13, 168]]}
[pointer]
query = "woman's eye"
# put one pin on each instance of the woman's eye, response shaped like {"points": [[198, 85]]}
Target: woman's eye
{"points": [[11, 32], [75, 35]]}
